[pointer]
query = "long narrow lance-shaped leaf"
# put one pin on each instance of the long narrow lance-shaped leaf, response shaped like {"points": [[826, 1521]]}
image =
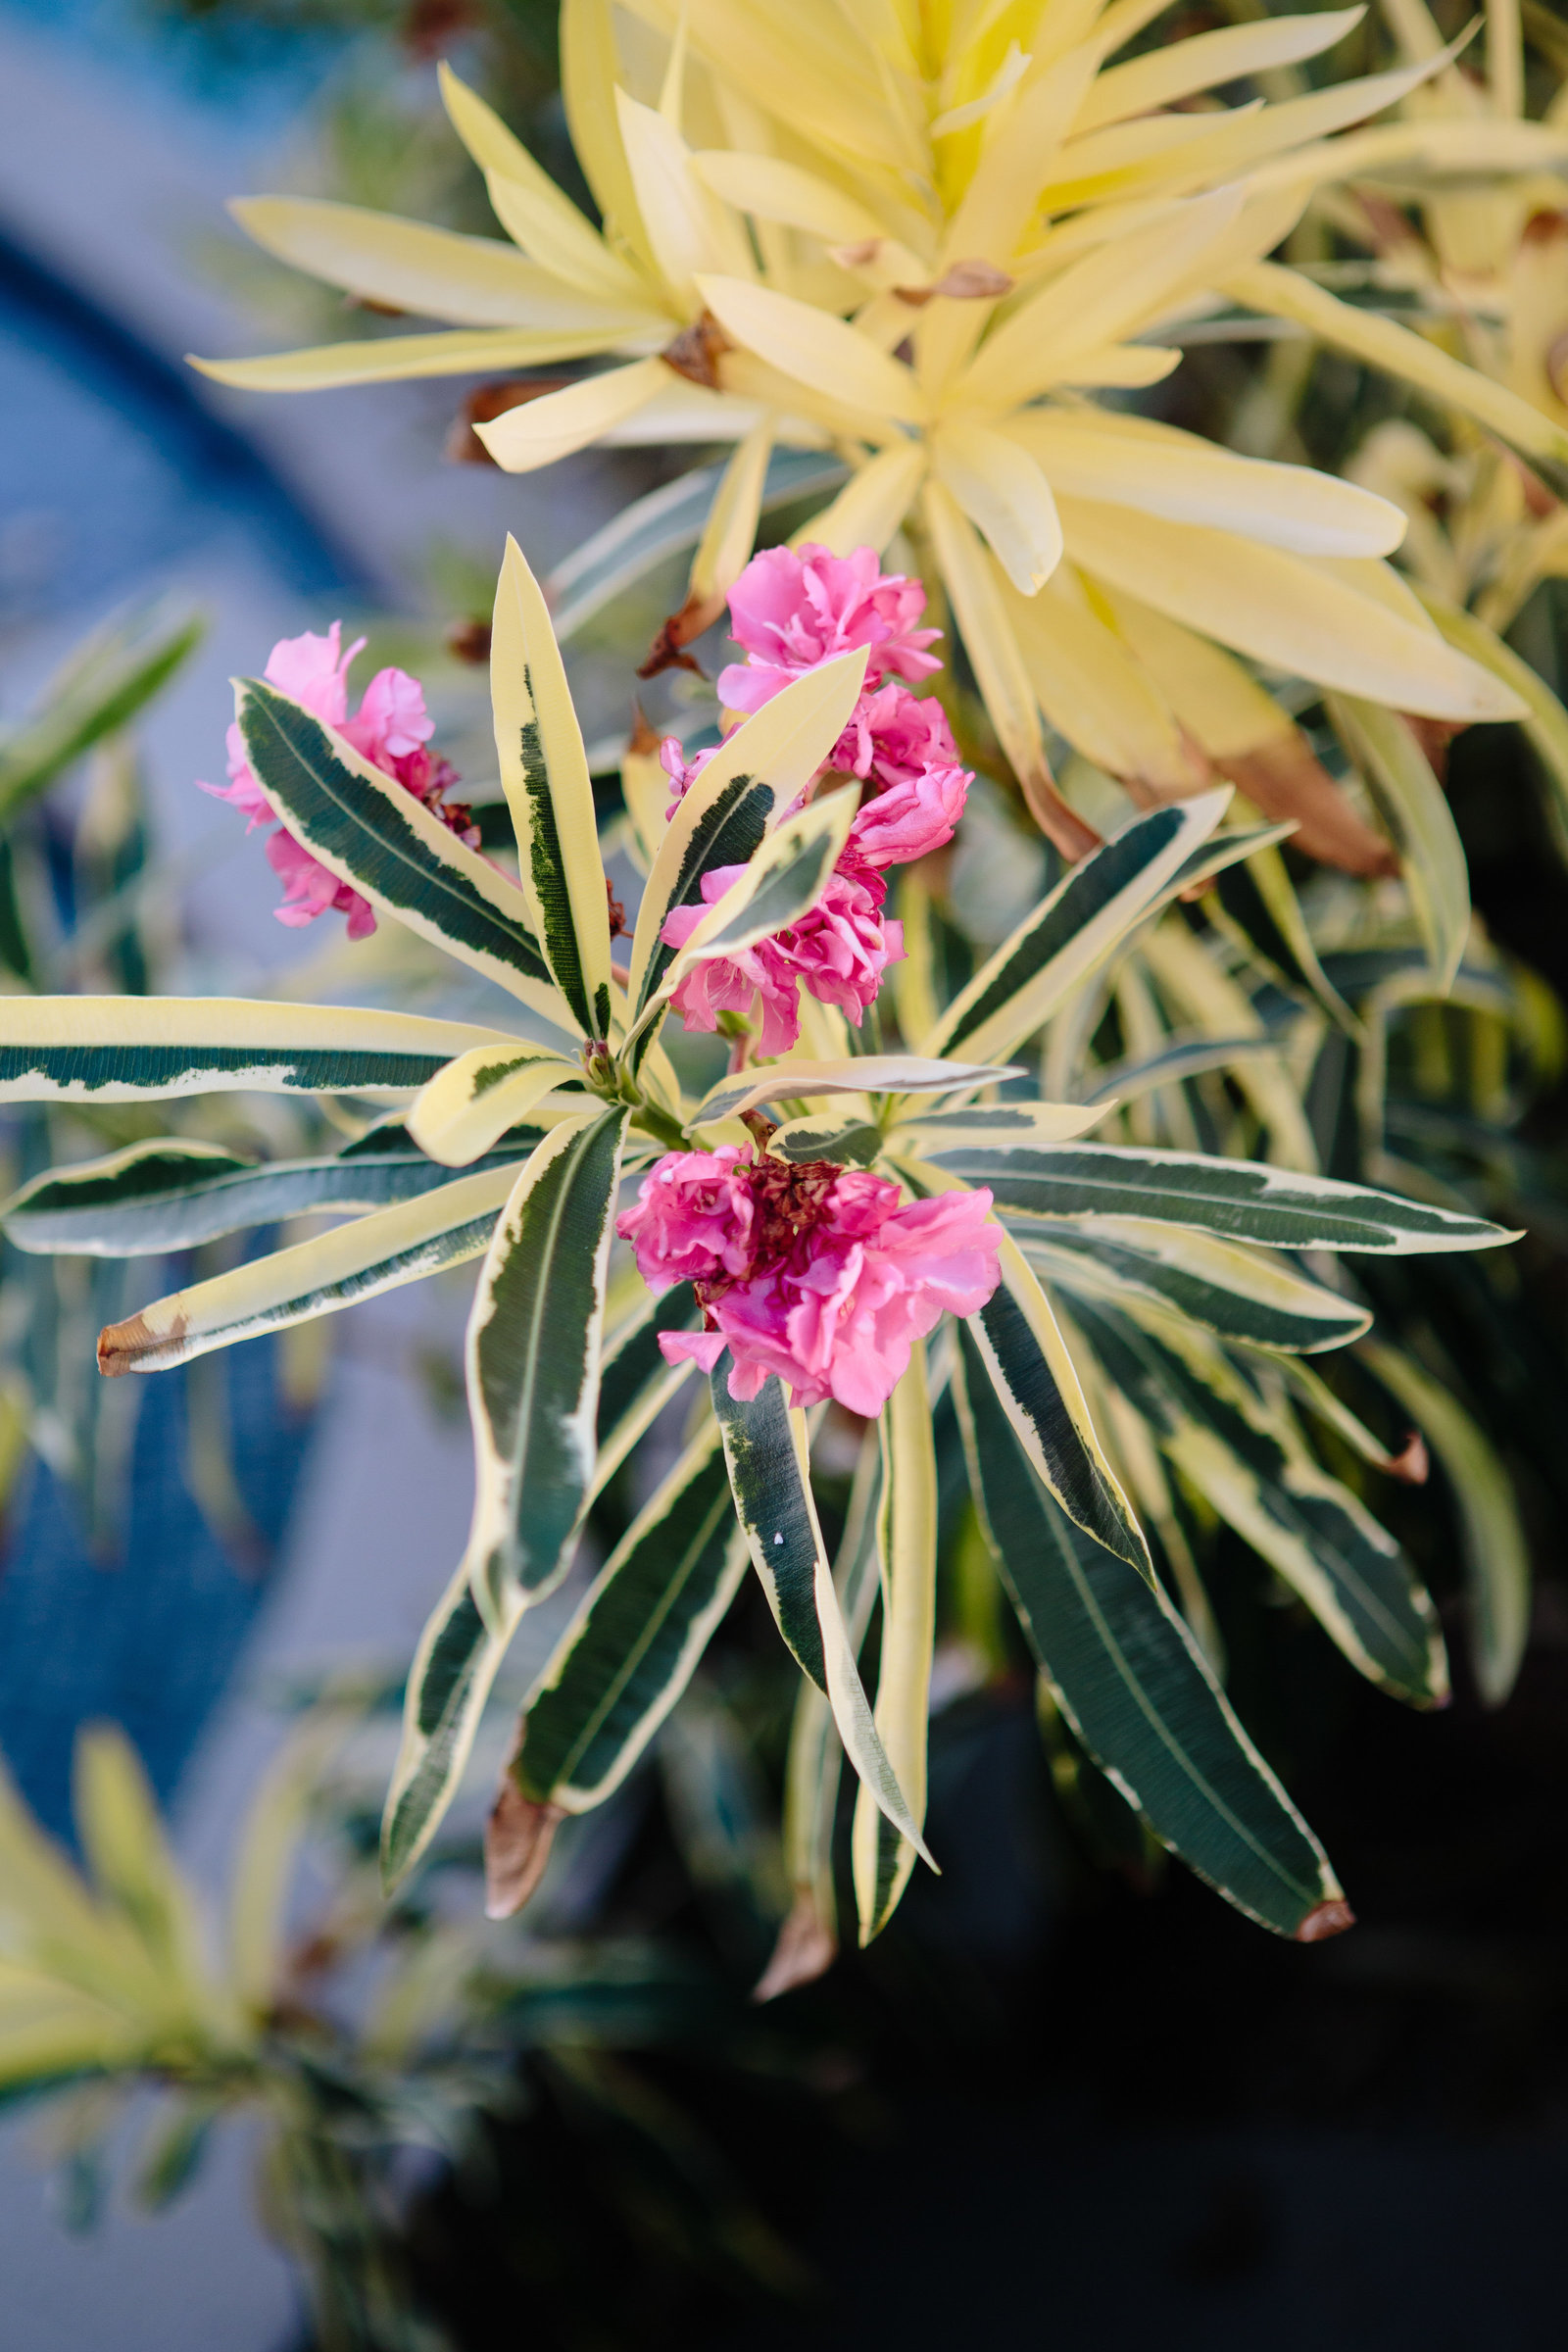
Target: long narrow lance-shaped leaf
{"points": [[533, 1350], [1258, 1476], [376, 1253], [458, 1654], [1032, 1371], [748, 784], [869, 1074], [106, 682], [907, 1549], [1497, 1555], [364, 828], [461, 1112], [770, 1476], [663, 522], [635, 1383], [808, 1941], [993, 1126], [630, 1650], [782, 882], [1413, 806], [449, 1681], [1228, 1289], [544, 770], [1544, 723], [1135, 1688], [130, 1049], [172, 1193], [1241, 1199], [1074, 930]]}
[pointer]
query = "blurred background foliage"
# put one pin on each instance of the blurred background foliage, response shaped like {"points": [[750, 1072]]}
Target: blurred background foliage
{"points": [[579, 2123]]}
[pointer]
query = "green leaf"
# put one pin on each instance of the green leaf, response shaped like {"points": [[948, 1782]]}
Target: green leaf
{"points": [[1074, 930], [449, 1681], [364, 828], [1228, 1289], [1241, 1199], [534, 1340], [125, 1049], [357, 1260], [1412, 803], [1031, 1369], [1256, 904], [868, 1075], [544, 769], [659, 525], [1185, 1057], [1133, 1684], [106, 682], [635, 1383], [765, 1451], [906, 1551], [1253, 1467], [172, 1195], [1497, 1555], [630, 1650]]}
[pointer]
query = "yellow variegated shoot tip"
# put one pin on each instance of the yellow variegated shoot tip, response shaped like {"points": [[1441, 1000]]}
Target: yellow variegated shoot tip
{"points": [[927, 249]]}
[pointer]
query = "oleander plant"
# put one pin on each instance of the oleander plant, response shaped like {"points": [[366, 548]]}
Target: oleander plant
{"points": [[878, 1211]]}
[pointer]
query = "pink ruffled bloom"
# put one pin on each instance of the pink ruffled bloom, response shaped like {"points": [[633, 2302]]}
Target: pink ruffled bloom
{"points": [[817, 1273], [391, 729], [838, 951], [793, 608]]}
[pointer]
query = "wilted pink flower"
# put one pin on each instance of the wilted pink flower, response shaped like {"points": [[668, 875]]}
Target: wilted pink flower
{"points": [[813, 1272], [391, 729], [793, 608], [839, 951]]}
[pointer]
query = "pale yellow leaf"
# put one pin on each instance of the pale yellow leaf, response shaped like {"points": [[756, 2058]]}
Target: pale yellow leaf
{"points": [[559, 423], [824, 353], [1006, 495]]}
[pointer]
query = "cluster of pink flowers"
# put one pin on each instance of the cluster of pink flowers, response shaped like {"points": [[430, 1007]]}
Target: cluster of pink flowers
{"points": [[391, 729], [814, 1272], [791, 611]]}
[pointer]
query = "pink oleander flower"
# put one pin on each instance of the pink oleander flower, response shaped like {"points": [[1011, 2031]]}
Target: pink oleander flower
{"points": [[793, 608], [391, 729], [839, 951], [817, 1273]]}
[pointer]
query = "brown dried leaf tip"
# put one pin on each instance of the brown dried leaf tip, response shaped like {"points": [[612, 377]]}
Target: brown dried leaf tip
{"points": [[131, 1346], [470, 641], [806, 1949], [517, 1838], [1328, 1918]]}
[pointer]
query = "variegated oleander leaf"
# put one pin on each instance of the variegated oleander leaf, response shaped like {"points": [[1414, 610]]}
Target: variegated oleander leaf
{"points": [[1276, 1208], [1254, 1469], [172, 1193], [990, 1126], [643, 535], [1497, 1551], [364, 828], [753, 776], [781, 882], [462, 1111], [449, 1681], [544, 769], [130, 1049], [799, 1078], [1074, 930], [1135, 1688], [770, 1476], [629, 1651], [1031, 1369], [1414, 806], [809, 1939], [1230, 1291], [533, 1351], [376, 1253], [458, 1655], [906, 1552]]}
